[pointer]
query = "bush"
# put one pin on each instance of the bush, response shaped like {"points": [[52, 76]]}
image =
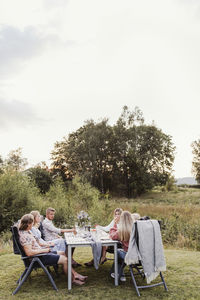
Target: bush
{"points": [[5, 242], [79, 195], [57, 198], [17, 197]]}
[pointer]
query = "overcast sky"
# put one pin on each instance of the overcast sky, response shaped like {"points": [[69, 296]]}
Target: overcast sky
{"points": [[63, 62]]}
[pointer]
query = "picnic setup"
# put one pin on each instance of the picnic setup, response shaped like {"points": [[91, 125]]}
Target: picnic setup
{"points": [[133, 244]]}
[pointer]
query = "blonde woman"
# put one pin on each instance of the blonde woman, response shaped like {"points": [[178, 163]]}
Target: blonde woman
{"points": [[32, 247], [117, 212], [56, 244], [122, 233]]}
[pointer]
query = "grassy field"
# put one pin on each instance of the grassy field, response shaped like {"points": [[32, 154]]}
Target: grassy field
{"points": [[180, 210], [182, 278]]}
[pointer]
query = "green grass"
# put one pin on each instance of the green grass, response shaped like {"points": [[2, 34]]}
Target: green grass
{"points": [[180, 196], [182, 278]]}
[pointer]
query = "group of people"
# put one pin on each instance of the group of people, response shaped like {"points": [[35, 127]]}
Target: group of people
{"points": [[55, 246]]}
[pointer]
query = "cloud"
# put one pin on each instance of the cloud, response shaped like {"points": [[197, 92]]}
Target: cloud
{"points": [[18, 46], [52, 4], [15, 113]]}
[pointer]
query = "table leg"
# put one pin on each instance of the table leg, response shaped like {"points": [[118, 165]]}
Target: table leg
{"points": [[116, 264], [69, 267]]}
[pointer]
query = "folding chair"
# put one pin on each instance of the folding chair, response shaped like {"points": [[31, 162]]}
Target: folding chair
{"points": [[30, 262], [41, 229], [139, 268]]}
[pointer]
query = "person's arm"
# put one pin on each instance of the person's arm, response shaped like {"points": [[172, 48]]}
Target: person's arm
{"points": [[42, 243], [29, 251], [50, 227], [114, 233], [108, 227], [68, 230], [37, 236]]}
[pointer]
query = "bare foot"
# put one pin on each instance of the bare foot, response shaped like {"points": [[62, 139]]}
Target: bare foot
{"points": [[78, 282], [81, 277]]}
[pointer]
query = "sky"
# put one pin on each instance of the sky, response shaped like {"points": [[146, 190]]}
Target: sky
{"points": [[63, 62]]}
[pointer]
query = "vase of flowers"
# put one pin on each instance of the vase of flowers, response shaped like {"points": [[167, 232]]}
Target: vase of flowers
{"points": [[83, 219]]}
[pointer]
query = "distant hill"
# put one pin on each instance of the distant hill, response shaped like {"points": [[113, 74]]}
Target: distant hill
{"points": [[186, 180]]}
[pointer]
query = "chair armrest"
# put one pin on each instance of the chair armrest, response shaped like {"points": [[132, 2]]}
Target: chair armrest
{"points": [[32, 256]]}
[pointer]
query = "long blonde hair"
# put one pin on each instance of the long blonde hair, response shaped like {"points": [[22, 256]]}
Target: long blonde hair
{"points": [[125, 226], [35, 213]]}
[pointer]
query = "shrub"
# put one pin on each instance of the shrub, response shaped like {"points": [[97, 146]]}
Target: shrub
{"points": [[57, 198], [17, 197], [79, 195]]}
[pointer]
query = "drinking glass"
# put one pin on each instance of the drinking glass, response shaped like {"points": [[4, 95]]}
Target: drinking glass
{"points": [[89, 226]]}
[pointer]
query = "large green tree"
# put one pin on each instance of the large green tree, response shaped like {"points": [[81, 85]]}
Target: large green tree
{"points": [[128, 157], [144, 154], [86, 151], [40, 177], [196, 160]]}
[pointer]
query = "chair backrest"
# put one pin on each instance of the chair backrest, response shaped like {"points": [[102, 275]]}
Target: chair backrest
{"points": [[41, 229], [136, 229], [17, 247]]}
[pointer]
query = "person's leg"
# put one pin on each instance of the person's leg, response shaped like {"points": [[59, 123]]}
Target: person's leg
{"points": [[103, 254], [61, 253], [76, 277], [120, 255]]}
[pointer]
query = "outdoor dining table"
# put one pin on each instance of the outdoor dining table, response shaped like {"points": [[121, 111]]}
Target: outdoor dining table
{"points": [[81, 240]]}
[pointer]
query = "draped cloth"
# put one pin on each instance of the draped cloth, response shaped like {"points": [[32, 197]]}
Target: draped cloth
{"points": [[149, 250]]}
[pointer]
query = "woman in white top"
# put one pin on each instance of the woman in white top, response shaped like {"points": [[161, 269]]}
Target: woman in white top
{"points": [[117, 213], [56, 245]]}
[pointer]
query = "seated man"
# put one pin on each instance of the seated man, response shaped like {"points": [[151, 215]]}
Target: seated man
{"points": [[31, 247], [51, 232]]}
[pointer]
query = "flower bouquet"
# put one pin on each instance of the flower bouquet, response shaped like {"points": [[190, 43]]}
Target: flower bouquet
{"points": [[83, 219]]}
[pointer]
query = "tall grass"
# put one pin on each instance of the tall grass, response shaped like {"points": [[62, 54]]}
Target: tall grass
{"points": [[179, 211]]}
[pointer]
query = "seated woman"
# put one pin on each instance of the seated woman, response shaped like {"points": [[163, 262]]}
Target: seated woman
{"points": [[32, 247], [122, 233], [117, 213], [56, 244]]}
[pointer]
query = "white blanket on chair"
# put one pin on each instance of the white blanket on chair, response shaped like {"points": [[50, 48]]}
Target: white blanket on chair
{"points": [[150, 251]]}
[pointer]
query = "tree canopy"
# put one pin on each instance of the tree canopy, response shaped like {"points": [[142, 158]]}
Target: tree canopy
{"points": [[40, 177], [196, 160], [129, 157]]}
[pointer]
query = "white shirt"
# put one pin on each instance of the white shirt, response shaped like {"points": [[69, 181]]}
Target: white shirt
{"points": [[108, 227], [50, 231]]}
